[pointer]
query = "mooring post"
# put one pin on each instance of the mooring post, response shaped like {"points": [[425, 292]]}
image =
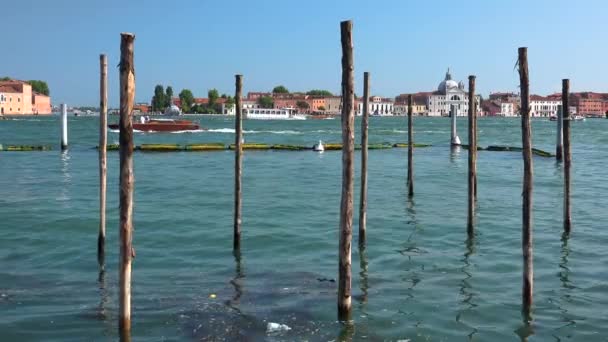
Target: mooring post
{"points": [[348, 170], [526, 136], [238, 161], [364, 128], [567, 155], [127, 95], [559, 144], [64, 127], [472, 157], [410, 148], [103, 140], [455, 140]]}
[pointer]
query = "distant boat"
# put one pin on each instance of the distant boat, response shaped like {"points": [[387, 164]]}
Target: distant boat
{"points": [[578, 118], [161, 125], [272, 114], [553, 118]]}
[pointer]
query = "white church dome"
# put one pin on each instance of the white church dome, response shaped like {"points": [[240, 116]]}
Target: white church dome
{"points": [[447, 83]]}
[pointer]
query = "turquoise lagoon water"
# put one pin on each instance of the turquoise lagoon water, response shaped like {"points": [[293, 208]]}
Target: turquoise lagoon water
{"points": [[418, 279]]}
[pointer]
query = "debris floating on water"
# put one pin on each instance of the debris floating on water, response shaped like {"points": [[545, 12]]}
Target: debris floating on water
{"points": [[276, 327]]}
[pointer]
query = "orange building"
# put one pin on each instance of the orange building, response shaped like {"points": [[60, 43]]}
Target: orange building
{"points": [[17, 98]]}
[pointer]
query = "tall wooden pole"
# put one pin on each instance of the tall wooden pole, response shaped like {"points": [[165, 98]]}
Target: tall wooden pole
{"points": [[472, 157], [238, 161], [348, 170], [364, 143], [410, 148], [559, 141], [127, 95], [526, 136], [103, 140], [567, 155]]}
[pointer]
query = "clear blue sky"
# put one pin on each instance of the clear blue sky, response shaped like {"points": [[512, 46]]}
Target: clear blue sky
{"points": [[406, 45]]}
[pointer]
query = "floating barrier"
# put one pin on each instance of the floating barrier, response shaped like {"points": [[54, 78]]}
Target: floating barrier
{"points": [[21, 148], [253, 146], [494, 148]]}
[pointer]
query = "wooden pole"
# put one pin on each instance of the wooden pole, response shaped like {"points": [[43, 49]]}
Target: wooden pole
{"points": [[127, 95], [526, 135], [103, 141], [64, 127], [364, 139], [238, 162], [567, 155], [410, 148], [348, 170], [559, 143], [472, 158]]}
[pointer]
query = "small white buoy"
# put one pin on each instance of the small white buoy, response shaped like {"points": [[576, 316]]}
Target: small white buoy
{"points": [[318, 147], [456, 140]]}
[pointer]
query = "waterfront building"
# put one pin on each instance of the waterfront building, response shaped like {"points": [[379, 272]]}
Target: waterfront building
{"points": [[418, 105], [494, 107], [333, 104], [141, 108], [590, 103], [377, 106], [544, 106], [17, 97]]}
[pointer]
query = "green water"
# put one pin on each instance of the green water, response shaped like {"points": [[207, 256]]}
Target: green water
{"points": [[418, 279]]}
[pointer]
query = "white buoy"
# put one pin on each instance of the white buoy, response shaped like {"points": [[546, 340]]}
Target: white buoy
{"points": [[455, 139], [318, 147], [64, 126]]}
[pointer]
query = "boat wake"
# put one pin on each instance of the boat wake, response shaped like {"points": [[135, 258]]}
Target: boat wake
{"points": [[190, 131]]}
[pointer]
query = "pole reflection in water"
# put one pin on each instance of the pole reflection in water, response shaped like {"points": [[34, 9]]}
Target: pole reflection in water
{"points": [[455, 153], [465, 285], [104, 297], [236, 282], [66, 176], [567, 286], [347, 331], [364, 284]]}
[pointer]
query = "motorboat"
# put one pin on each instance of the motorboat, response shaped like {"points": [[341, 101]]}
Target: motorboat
{"points": [[146, 124], [318, 147]]}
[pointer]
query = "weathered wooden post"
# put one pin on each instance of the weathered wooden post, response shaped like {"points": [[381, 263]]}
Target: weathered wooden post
{"points": [[472, 157], [455, 140], [526, 136], [567, 155], [64, 127], [103, 140], [410, 148], [348, 170], [364, 128], [127, 95], [238, 161], [559, 143]]}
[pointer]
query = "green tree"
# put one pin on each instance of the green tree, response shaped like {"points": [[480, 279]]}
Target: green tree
{"points": [[303, 105], [168, 96], [5, 79], [321, 107], [266, 102], [187, 99], [319, 92], [213, 95], [158, 100], [280, 89], [230, 102], [40, 87]]}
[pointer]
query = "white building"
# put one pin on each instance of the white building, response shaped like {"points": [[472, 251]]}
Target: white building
{"points": [[377, 106], [544, 107], [246, 104], [507, 109], [449, 93]]}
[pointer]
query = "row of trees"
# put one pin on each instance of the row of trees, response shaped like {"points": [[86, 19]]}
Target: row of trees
{"points": [[37, 85], [163, 98], [281, 89]]}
